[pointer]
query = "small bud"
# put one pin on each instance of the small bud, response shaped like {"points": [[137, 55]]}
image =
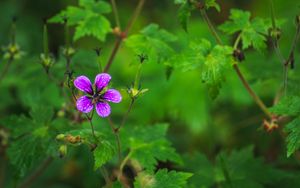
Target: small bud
{"points": [[135, 93], [47, 62], [93, 146], [238, 55], [69, 52], [98, 51], [73, 139], [275, 33], [12, 52], [117, 31], [272, 125], [60, 137], [63, 149], [143, 58]]}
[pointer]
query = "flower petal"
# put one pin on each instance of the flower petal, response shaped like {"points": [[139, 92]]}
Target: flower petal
{"points": [[84, 84], [103, 109], [84, 104], [102, 80], [112, 95]]}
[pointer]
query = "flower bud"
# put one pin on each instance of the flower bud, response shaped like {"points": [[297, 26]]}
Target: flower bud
{"points": [[275, 33], [63, 149], [60, 137]]}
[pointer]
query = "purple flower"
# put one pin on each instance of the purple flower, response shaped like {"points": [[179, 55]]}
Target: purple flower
{"points": [[97, 96]]}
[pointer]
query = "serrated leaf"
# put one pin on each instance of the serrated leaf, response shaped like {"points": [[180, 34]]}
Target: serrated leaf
{"points": [[88, 19], [239, 168], [147, 145], [253, 32], [202, 169], [103, 153], [100, 7], [244, 170], [162, 178], [289, 105], [73, 14], [96, 26], [42, 114], [215, 66], [293, 138], [192, 57], [153, 42]]}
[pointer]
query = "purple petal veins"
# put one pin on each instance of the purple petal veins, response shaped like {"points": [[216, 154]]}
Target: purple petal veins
{"points": [[103, 109], [84, 84], [84, 104], [112, 95], [102, 80]]}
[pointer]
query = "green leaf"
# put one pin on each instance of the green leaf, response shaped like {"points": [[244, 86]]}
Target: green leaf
{"points": [[289, 105], [184, 14], [147, 145], [42, 114], [201, 167], [212, 4], [253, 32], [293, 138], [236, 169], [153, 42], [162, 178], [103, 153], [88, 19], [215, 66], [100, 7], [97, 26], [73, 14], [242, 169], [192, 57]]}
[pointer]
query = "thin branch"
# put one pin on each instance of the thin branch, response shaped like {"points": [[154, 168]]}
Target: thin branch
{"points": [[29, 180], [126, 115], [124, 34], [251, 92], [255, 97], [211, 27], [117, 137], [5, 69], [116, 14]]}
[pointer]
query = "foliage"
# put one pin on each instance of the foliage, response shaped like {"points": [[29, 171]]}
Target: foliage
{"points": [[88, 19], [185, 130], [290, 105], [252, 32]]}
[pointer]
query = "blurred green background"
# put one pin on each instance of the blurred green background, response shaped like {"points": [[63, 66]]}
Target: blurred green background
{"points": [[197, 122]]}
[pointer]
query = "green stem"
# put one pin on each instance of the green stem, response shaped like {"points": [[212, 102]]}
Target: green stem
{"points": [[116, 14], [117, 137], [99, 64], [211, 27], [123, 163], [255, 97], [137, 76], [237, 41], [225, 171], [13, 32], [273, 14], [5, 69], [45, 37], [126, 115]]}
